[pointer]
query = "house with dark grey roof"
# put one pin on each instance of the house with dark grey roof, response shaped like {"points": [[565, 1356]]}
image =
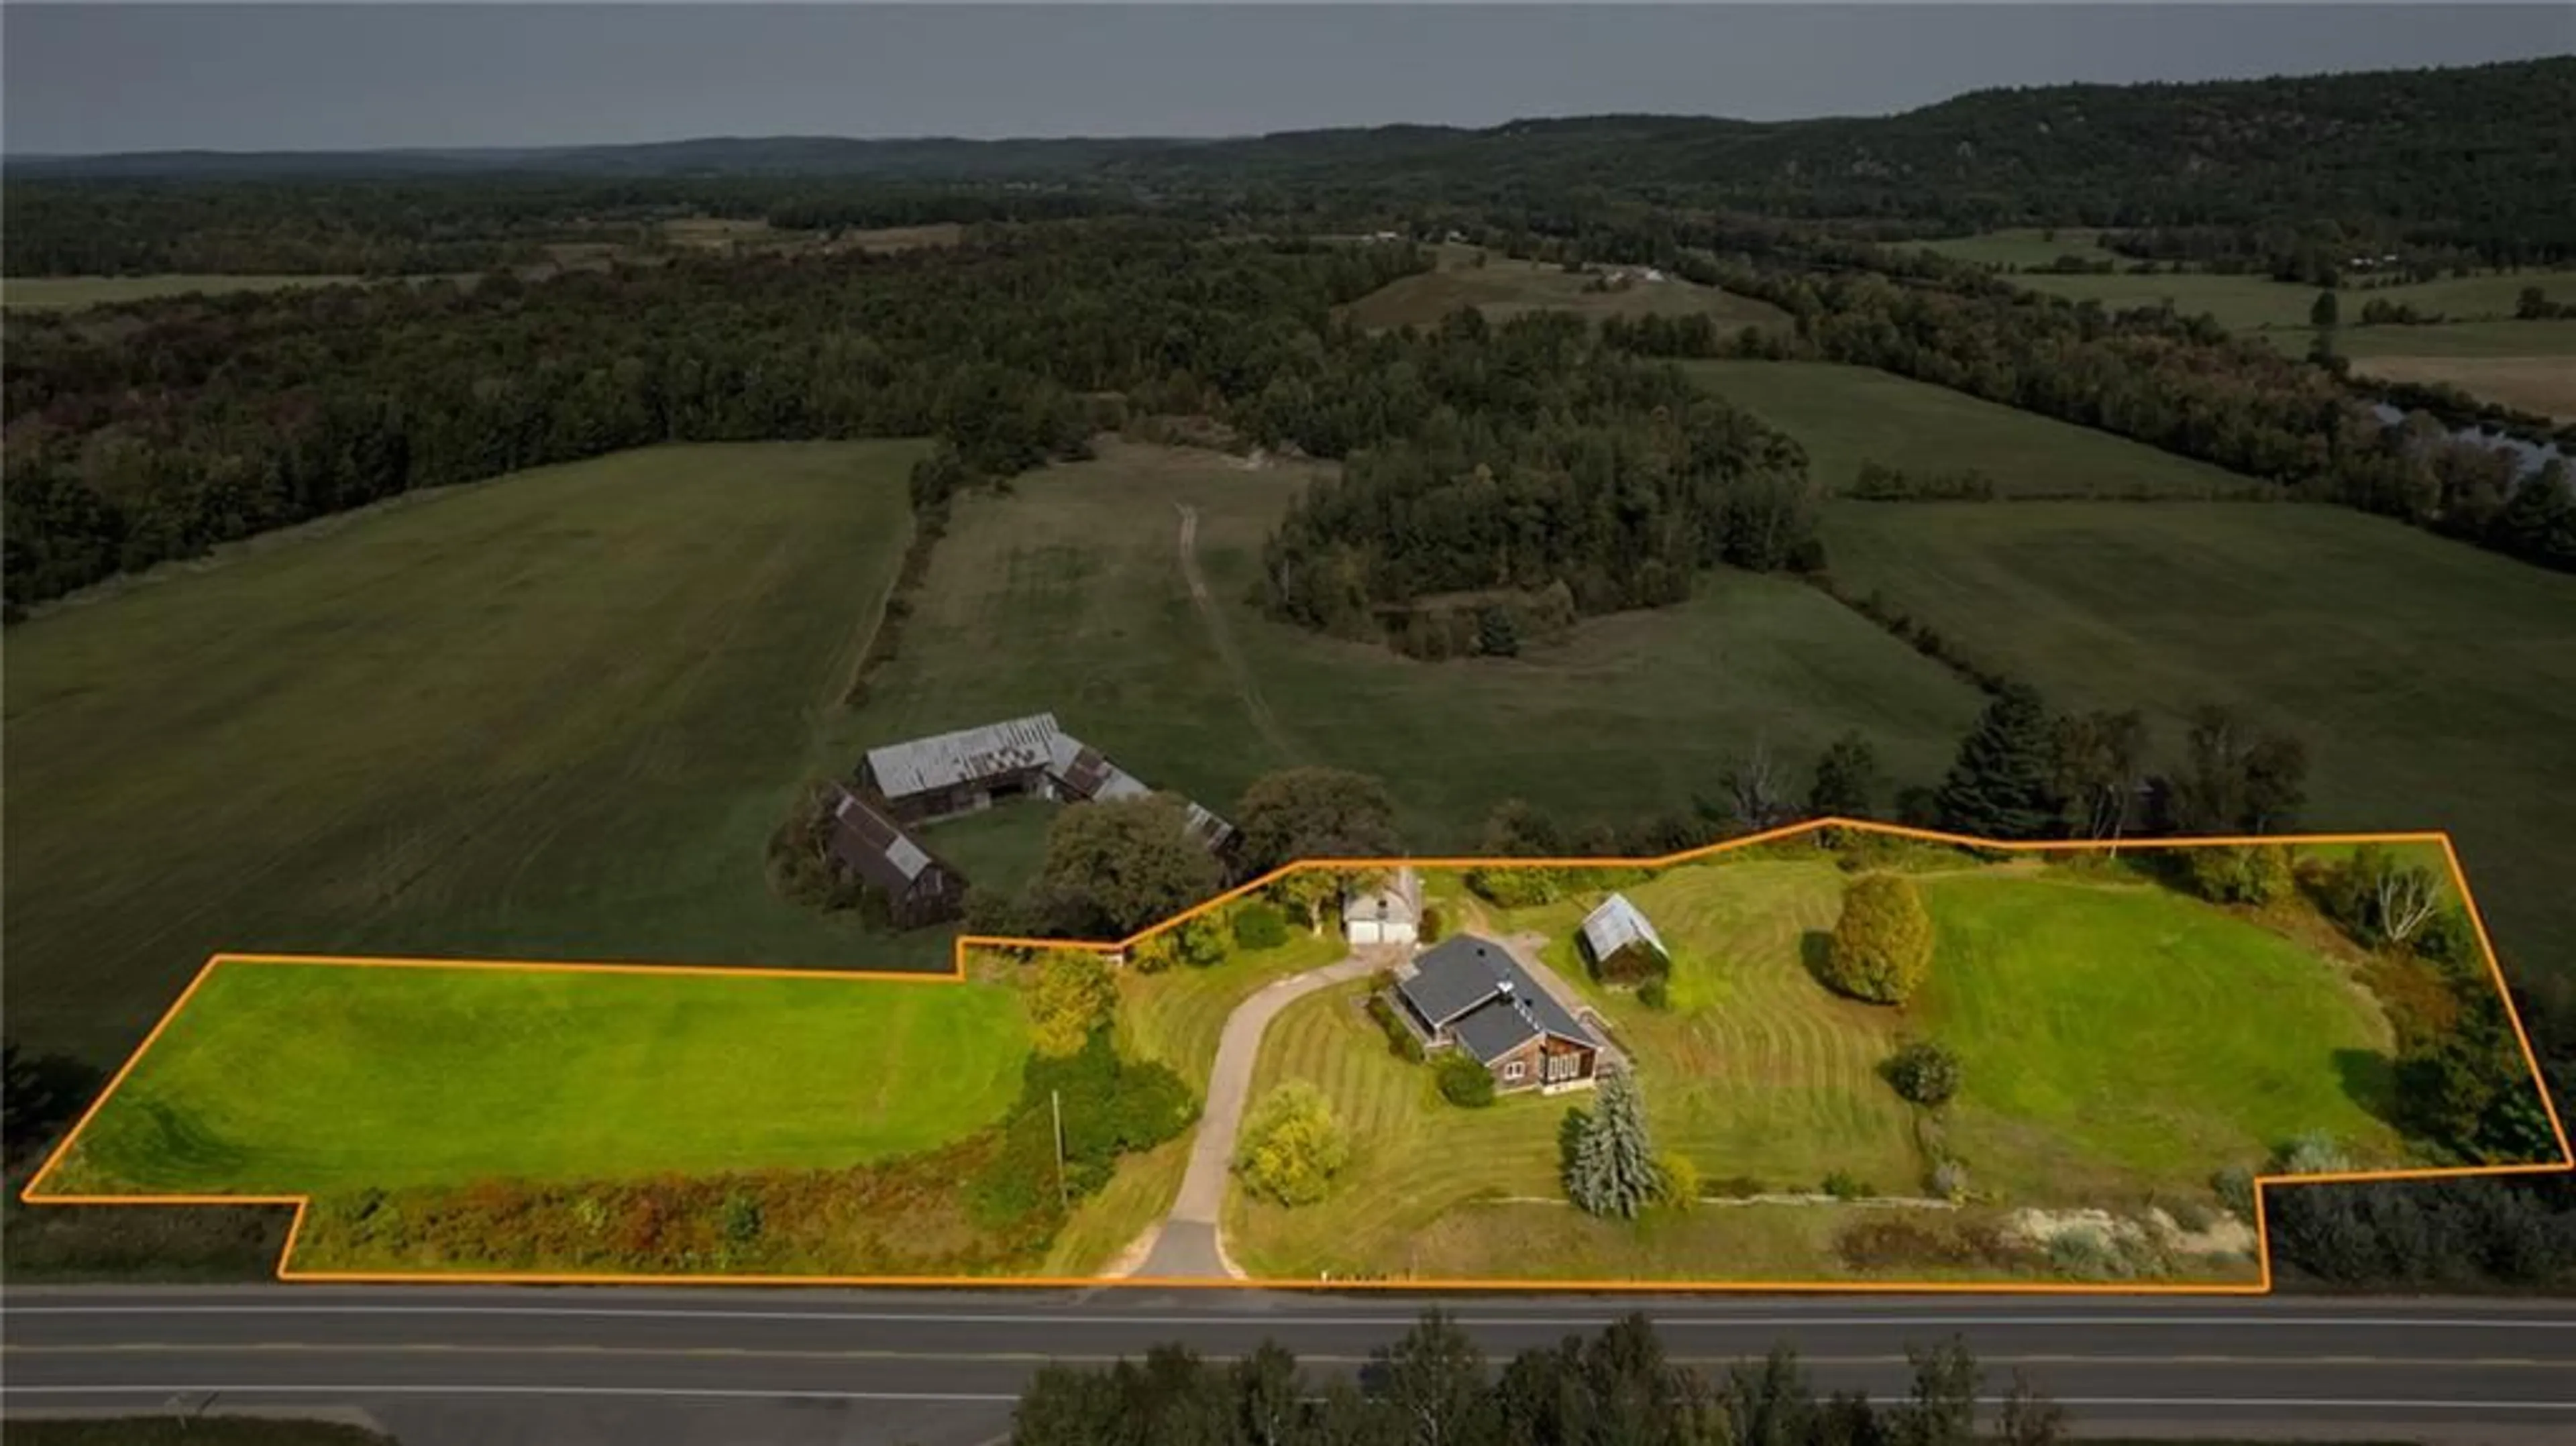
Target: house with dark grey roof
{"points": [[1470, 994], [1619, 943], [865, 843]]}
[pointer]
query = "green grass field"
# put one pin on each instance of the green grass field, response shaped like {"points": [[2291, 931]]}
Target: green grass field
{"points": [[298, 1078], [2123, 1038], [1846, 415], [2433, 684], [553, 716], [1068, 595], [1504, 288], [2120, 1042], [2258, 303]]}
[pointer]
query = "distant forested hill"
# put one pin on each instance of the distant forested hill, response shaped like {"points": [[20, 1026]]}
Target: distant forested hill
{"points": [[2477, 152]]}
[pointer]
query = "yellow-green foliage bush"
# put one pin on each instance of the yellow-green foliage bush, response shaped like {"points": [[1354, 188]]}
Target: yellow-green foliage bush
{"points": [[1882, 944]]}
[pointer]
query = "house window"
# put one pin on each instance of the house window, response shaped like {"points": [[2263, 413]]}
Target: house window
{"points": [[1564, 1067], [1514, 1070]]}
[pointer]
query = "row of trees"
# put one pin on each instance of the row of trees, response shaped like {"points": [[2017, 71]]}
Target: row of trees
{"points": [[1435, 1387]]}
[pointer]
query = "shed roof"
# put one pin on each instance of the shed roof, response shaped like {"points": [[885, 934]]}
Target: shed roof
{"points": [[869, 843], [1399, 900], [946, 759], [1086, 772], [1616, 925]]}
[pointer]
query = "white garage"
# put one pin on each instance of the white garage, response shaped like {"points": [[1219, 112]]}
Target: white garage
{"points": [[1391, 913]]}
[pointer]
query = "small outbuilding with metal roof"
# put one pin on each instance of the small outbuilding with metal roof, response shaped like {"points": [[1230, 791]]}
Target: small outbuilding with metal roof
{"points": [[1620, 944]]}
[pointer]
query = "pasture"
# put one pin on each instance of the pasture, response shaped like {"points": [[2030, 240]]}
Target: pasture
{"points": [[1847, 415], [1069, 594], [295, 1078], [2434, 685], [553, 716], [1503, 288]]}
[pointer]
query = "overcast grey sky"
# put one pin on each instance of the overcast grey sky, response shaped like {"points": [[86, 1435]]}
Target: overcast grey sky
{"points": [[103, 77]]}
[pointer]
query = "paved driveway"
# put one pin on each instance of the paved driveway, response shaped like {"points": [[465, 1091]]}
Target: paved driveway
{"points": [[1187, 1247]]}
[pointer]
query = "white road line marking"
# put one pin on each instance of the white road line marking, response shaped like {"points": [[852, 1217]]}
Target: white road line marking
{"points": [[1293, 1322], [731, 1393]]}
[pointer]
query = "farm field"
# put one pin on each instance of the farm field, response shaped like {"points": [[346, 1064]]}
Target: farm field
{"points": [[1068, 594], [2121, 1043], [2533, 370], [1847, 415], [66, 293], [555, 716], [1504, 288], [2258, 303], [2433, 685], [283, 1078]]}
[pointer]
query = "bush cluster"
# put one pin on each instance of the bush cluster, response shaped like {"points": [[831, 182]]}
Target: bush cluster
{"points": [[1401, 1042], [1924, 1073], [1464, 1082]]}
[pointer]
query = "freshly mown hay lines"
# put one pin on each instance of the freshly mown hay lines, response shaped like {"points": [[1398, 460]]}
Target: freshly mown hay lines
{"points": [[556, 715]]}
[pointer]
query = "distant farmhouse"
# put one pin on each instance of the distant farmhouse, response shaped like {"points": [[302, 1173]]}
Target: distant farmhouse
{"points": [[904, 787], [1470, 994], [919, 889], [1388, 914], [1620, 944]]}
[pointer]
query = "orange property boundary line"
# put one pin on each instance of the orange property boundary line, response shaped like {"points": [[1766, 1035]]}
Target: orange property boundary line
{"points": [[957, 974]]}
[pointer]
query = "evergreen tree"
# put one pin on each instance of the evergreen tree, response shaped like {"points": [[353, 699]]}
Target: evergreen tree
{"points": [[2326, 312], [1614, 1171], [1846, 779], [2000, 786], [1882, 944]]}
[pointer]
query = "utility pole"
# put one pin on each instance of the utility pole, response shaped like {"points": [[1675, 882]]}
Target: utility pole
{"points": [[1064, 1193]]}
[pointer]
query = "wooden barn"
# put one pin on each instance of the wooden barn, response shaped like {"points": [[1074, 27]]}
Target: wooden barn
{"points": [[965, 771], [918, 888]]}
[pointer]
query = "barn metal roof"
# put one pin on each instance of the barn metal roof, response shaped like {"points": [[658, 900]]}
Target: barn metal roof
{"points": [[870, 843], [1616, 925], [1086, 772], [946, 759]]}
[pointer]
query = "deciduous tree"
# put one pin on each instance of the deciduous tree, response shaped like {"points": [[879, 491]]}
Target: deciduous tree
{"points": [[1881, 948]]}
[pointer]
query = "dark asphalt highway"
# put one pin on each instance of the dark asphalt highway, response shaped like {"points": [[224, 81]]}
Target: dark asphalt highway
{"points": [[515, 1367]]}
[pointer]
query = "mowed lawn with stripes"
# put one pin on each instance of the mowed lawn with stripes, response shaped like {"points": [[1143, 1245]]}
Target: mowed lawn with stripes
{"points": [[2121, 1041]]}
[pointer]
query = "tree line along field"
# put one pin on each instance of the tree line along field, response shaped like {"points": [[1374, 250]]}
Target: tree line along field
{"points": [[557, 716], [69, 293]]}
